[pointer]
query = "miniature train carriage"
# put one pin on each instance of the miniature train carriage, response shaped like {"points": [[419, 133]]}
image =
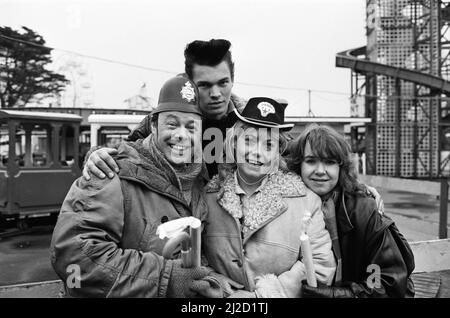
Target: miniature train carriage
{"points": [[39, 160]]}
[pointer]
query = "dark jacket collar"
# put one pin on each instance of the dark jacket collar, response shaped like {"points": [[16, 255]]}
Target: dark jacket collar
{"points": [[344, 205], [230, 118]]}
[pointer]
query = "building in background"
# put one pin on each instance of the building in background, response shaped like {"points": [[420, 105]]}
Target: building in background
{"points": [[402, 76], [140, 101]]}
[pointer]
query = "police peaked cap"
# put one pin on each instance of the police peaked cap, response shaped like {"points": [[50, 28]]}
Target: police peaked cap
{"points": [[264, 112]]}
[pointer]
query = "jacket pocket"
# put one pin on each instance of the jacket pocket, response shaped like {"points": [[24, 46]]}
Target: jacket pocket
{"points": [[149, 240]]}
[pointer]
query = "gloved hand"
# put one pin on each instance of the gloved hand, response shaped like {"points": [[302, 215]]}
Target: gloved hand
{"points": [[324, 291], [208, 287], [226, 283], [182, 279], [243, 294], [216, 285]]}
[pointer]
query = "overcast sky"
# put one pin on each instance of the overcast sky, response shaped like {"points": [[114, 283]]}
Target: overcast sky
{"points": [[283, 43]]}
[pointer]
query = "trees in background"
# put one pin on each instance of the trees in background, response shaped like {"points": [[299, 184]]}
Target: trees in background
{"points": [[23, 73]]}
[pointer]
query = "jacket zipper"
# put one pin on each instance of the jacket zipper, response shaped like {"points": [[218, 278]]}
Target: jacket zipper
{"points": [[241, 251]]}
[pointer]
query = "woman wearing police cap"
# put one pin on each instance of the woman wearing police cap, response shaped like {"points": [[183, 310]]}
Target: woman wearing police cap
{"points": [[256, 208]]}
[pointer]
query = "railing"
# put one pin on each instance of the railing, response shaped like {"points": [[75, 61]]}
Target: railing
{"points": [[434, 188]]}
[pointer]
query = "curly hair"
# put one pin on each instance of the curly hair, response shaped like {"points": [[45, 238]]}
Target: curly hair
{"points": [[325, 142]]}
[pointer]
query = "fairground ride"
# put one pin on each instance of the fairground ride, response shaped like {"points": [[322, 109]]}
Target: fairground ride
{"points": [[402, 76]]}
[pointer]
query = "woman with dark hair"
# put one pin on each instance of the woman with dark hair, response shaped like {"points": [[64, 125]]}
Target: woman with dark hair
{"points": [[255, 211], [373, 258]]}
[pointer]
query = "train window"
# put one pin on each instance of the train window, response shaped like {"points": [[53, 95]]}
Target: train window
{"points": [[112, 136], [66, 146], [85, 137], [4, 144], [33, 145], [84, 146], [20, 146]]}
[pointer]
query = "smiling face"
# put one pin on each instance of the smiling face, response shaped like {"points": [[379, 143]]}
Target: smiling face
{"points": [[214, 85], [176, 135], [321, 175], [257, 151]]}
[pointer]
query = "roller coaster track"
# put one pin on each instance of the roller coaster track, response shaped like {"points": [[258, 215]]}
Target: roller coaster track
{"points": [[352, 59]]}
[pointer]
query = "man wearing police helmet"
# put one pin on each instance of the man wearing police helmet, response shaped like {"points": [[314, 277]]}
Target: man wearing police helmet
{"points": [[107, 227], [209, 65]]}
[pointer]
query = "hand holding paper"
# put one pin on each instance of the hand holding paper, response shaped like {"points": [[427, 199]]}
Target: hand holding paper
{"points": [[190, 243]]}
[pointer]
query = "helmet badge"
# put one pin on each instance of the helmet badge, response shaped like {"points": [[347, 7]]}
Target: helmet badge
{"points": [[187, 92]]}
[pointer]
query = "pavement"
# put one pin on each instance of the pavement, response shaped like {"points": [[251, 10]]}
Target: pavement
{"points": [[26, 258], [416, 215]]}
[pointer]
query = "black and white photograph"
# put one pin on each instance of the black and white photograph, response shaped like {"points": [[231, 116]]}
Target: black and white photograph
{"points": [[225, 153]]}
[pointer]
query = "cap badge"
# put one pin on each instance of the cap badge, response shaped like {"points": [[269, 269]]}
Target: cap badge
{"points": [[266, 108], [187, 92]]}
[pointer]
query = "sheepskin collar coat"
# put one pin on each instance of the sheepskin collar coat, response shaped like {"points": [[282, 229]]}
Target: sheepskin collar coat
{"points": [[261, 249]]}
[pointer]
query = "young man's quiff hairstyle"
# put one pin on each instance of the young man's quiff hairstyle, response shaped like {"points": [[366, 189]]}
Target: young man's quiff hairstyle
{"points": [[209, 53]]}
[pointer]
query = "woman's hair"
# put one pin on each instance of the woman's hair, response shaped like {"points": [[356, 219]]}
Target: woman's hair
{"points": [[234, 133], [325, 142]]}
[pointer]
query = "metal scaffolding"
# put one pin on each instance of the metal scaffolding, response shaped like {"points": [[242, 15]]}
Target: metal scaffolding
{"points": [[403, 77]]}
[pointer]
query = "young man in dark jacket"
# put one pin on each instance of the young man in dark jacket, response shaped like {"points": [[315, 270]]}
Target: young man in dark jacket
{"points": [[106, 231], [210, 66]]}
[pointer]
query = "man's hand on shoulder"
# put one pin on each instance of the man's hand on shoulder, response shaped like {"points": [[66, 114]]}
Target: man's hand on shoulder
{"points": [[376, 195], [101, 163]]}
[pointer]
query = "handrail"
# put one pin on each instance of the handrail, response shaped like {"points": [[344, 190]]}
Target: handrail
{"points": [[350, 59]]}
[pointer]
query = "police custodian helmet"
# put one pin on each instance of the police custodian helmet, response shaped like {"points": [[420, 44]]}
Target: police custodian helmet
{"points": [[178, 94]]}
